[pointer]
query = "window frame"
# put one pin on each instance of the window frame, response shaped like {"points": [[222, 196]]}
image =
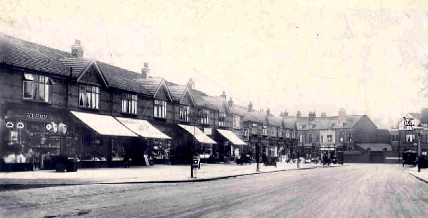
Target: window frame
{"points": [[91, 96], [129, 103], [205, 116], [222, 119], [34, 80], [159, 108], [184, 113]]}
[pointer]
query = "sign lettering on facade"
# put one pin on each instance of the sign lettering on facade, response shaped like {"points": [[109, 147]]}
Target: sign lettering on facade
{"points": [[208, 131], [37, 116]]}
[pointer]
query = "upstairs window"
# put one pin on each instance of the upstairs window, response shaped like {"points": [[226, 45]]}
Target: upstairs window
{"points": [[221, 119], [184, 113], [159, 109], [329, 138], [205, 116], [236, 122], [300, 138], [322, 139], [89, 96], [310, 138], [287, 134], [318, 138], [129, 103], [265, 131], [350, 137], [37, 88]]}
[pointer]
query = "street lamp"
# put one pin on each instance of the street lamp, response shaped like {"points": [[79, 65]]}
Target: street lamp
{"points": [[419, 132]]}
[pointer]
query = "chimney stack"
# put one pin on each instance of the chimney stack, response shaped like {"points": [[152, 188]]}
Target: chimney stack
{"points": [[323, 114], [299, 114], [312, 116], [342, 115], [268, 112], [77, 49], [230, 102], [285, 114], [145, 71], [223, 95], [250, 107], [191, 84]]}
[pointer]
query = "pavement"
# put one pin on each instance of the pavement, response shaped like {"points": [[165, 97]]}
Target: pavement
{"points": [[155, 173], [357, 190], [423, 175]]}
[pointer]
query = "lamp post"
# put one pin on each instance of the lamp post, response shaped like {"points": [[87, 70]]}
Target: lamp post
{"points": [[419, 132]]}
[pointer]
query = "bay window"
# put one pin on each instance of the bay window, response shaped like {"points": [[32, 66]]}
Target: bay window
{"points": [[129, 103], [159, 109], [89, 96], [37, 88], [184, 113]]}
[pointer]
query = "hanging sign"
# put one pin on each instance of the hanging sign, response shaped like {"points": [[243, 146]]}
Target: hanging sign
{"points": [[9, 125], [208, 131], [20, 125], [49, 127], [62, 128], [54, 127]]}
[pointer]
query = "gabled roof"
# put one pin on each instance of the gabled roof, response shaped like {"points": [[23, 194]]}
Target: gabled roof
{"points": [[275, 121], [327, 122], [20, 53], [77, 65], [211, 102], [256, 116], [178, 92], [238, 110], [153, 85]]}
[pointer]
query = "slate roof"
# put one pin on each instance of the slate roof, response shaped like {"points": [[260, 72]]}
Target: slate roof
{"points": [[256, 116], [211, 102], [32, 56], [275, 121], [150, 84], [374, 146], [176, 91], [77, 65], [327, 122]]}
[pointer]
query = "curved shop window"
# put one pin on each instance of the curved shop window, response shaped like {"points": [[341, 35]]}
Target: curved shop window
{"points": [[32, 142]]}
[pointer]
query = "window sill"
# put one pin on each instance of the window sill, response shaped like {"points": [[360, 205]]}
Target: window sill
{"points": [[88, 109], [128, 114], [37, 102]]}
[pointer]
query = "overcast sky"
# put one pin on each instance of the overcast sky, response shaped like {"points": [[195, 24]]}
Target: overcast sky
{"points": [[365, 56]]}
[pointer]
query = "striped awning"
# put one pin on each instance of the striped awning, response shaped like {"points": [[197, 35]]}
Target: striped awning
{"points": [[198, 134]]}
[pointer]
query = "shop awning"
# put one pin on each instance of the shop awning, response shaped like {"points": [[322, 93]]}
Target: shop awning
{"points": [[103, 124], [198, 134], [142, 128], [231, 137]]}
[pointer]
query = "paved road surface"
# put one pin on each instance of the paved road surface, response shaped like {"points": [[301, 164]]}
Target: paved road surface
{"points": [[350, 191]]}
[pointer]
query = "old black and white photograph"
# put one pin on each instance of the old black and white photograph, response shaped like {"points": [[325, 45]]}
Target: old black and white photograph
{"points": [[214, 108]]}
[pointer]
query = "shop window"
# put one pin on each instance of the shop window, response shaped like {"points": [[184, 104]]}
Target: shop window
{"points": [[89, 96], [221, 119], [159, 109], [129, 103], [205, 116], [184, 113], [37, 88]]}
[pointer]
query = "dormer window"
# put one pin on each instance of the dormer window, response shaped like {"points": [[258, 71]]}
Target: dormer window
{"points": [[129, 103], [89, 96], [37, 88]]}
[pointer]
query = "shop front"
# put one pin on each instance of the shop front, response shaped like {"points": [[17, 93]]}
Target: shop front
{"points": [[158, 144], [233, 146], [191, 140], [105, 141], [32, 137]]}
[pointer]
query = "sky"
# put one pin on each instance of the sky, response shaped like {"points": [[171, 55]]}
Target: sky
{"points": [[367, 57]]}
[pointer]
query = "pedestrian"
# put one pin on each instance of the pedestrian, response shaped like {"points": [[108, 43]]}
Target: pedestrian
{"points": [[126, 160]]}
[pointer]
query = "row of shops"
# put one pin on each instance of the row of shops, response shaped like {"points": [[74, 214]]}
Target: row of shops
{"points": [[34, 137]]}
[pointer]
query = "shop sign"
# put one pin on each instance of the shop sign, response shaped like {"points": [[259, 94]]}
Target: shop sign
{"points": [[208, 131], [20, 125], [37, 116], [9, 125]]}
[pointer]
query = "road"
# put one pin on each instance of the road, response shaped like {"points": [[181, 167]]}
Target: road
{"points": [[349, 191]]}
